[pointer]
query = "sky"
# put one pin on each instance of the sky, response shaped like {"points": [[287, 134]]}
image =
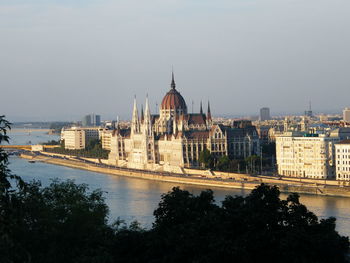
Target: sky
{"points": [[62, 59]]}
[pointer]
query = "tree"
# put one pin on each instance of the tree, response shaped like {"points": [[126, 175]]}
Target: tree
{"points": [[52, 142], [65, 222], [8, 200], [93, 144], [59, 223], [252, 162], [63, 216], [223, 163], [255, 228], [206, 159], [269, 153]]}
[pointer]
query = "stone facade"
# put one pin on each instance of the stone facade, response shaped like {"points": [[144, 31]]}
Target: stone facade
{"points": [[174, 138], [342, 160], [306, 155]]}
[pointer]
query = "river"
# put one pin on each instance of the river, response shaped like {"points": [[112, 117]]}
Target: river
{"points": [[135, 199]]}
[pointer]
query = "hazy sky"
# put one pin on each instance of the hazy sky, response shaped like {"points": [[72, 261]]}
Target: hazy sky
{"points": [[61, 59]]}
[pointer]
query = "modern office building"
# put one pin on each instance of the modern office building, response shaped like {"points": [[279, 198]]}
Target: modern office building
{"points": [[309, 112], [265, 114], [91, 120]]}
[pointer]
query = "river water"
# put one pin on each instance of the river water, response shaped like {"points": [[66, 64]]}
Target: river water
{"points": [[135, 199]]}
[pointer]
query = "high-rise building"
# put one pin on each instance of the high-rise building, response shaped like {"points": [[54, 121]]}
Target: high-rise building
{"points": [[97, 120], [309, 112], [91, 120], [265, 114], [346, 115], [86, 121]]}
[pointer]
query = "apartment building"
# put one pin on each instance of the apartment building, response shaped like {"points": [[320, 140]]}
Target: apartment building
{"points": [[106, 136], [75, 138], [306, 155], [342, 159]]}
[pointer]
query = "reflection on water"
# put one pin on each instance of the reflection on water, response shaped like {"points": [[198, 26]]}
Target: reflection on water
{"points": [[326, 206], [135, 199]]}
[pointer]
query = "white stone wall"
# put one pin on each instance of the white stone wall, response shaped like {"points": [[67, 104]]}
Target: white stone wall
{"points": [[342, 160], [170, 152]]}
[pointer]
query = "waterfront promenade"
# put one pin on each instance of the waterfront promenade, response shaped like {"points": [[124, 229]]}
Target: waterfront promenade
{"points": [[199, 177]]}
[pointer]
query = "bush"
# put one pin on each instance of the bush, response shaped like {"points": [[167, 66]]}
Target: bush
{"points": [[65, 222]]}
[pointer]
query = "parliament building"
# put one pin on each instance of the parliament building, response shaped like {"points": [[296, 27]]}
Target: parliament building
{"points": [[174, 138]]}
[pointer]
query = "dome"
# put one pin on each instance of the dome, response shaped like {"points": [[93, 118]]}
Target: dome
{"points": [[173, 99]]}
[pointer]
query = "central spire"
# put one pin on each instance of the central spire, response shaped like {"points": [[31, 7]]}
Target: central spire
{"points": [[172, 85]]}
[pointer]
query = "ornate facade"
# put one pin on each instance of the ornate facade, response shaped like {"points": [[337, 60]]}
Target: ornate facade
{"points": [[174, 138]]}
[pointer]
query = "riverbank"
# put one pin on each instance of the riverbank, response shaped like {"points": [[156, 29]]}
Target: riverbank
{"points": [[242, 182], [28, 130]]}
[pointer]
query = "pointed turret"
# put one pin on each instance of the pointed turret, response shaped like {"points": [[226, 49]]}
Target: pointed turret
{"points": [[208, 113], [142, 115], [147, 109], [208, 118], [135, 123], [147, 118], [172, 85], [201, 109]]}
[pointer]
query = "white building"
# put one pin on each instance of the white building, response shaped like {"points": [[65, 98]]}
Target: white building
{"points": [[75, 138], [346, 115], [306, 155], [342, 160], [106, 136]]}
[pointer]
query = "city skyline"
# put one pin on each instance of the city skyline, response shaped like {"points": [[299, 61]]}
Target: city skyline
{"points": [[93, 56]]}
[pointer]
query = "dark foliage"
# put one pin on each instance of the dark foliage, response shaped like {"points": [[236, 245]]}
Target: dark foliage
{"points": [[255, 228], [93, 150], [52, 142], [206, 159], [64, 222]]}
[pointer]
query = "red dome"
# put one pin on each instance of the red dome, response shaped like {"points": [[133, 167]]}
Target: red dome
{"points": [[173, 100]]}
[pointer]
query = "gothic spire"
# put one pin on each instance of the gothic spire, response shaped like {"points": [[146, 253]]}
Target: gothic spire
{"points": [[201, 109], [172, 85], [135, 117], [208, 113], [147, 110], [142, 115], [147, 121]]}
